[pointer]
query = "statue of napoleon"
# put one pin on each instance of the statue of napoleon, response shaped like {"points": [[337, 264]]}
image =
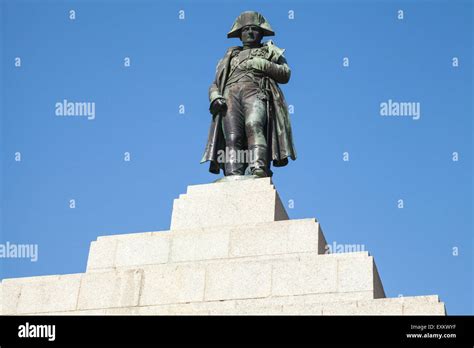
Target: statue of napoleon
{"points": [[250, 125]]}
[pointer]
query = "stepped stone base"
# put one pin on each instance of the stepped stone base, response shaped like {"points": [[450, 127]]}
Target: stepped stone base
{"points": [[231, 250]]}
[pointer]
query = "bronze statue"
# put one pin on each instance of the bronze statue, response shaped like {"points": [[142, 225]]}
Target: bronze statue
{"points": [[250, 125]]}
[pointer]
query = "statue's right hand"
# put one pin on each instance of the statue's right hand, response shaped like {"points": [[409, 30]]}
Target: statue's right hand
{"points": [[218, 106]]}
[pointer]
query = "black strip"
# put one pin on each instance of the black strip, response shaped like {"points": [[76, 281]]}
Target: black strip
{"points": [[191, 330]]}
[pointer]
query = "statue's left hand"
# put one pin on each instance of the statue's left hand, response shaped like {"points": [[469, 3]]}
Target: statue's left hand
{"points": [[257, 63]]}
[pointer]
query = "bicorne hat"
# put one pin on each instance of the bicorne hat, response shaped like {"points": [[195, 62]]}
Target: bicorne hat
{"points": [[250, 18]]}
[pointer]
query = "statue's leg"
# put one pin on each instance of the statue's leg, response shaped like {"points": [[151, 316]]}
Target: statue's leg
{"points": [[233, 128], [255, 122]]}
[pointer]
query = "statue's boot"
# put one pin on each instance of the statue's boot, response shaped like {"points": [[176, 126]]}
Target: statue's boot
{"points": [[234, 169], [258, 160], [259, 172], [234, 165]]}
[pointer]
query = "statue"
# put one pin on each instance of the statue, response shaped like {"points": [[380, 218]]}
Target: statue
{"points": [[250, 127]]}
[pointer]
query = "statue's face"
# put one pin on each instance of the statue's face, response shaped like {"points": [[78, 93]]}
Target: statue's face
{"points": [[251, 34]]}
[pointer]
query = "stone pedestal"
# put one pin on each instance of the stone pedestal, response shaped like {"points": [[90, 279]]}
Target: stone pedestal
{"points": [[231, 249]]}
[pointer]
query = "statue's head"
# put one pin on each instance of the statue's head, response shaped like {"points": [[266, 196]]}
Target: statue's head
{"points": [[251, 35], [250, 27]]}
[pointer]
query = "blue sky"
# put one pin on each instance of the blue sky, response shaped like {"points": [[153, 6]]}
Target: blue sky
{"points": [[337, 109]]}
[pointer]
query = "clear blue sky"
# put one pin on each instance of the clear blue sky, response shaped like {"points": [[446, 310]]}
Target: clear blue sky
{"points": [[173, 62]]}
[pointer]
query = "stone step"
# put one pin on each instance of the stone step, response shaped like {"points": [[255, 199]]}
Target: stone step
{"points": [[241, 187], [202, 281], [225, 242], [326, 304], [228, 204], [420, 305]]}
